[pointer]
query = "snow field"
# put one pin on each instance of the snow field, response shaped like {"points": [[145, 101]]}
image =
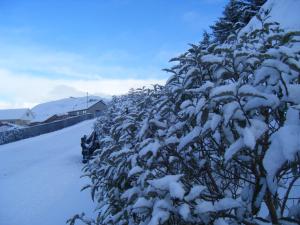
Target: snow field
{"points": [[40, 178]]}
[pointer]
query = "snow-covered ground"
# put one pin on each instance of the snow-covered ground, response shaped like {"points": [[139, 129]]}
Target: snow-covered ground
{"points": [[40, 178]]}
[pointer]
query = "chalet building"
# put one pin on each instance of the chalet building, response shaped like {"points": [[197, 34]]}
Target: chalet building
{"points": [[55, 118], [96, 108], [65, 108], [16, 116]]}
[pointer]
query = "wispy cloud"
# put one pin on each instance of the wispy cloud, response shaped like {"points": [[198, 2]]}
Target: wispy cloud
{"points": [[26, 90], [32, 74], [44, 57], [41, 61]]}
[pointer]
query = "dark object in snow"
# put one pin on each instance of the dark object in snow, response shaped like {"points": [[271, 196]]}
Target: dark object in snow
{"points": [[89, 145]]}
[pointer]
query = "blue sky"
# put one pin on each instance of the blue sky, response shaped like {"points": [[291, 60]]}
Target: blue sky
{"points": [[57, 48]]}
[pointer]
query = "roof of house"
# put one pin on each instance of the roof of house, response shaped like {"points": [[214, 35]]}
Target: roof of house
{"points": [[15, 114], [61, 107]]}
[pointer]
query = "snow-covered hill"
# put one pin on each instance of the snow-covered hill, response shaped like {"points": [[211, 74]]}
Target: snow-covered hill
{"points": [[40, 178]]}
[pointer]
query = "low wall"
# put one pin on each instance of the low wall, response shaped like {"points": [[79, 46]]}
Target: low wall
{"points": [[19, 134]]}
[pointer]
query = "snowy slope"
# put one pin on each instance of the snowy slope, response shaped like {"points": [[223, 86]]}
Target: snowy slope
{"points": [[285, 12], [40, 178]]}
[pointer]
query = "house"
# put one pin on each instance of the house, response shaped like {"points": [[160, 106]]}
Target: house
{"points": [[68, 107], [94, 106], [16, 116]]}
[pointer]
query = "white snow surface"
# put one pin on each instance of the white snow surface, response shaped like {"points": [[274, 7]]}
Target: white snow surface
{"points": [[40, 178], [194, 192], [285, 12], [223, 204], [184, 211], [285, 143], [170, 183], [61, 107]]}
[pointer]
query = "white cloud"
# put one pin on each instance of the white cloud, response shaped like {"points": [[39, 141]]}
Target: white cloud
{"points": [[25, 90], [45, 62], [33, 74], [63, 91]]}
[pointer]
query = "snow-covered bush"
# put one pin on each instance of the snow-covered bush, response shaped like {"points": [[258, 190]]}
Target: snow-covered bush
{"points": [[218, 144], [10, 135], [236, 15]]}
